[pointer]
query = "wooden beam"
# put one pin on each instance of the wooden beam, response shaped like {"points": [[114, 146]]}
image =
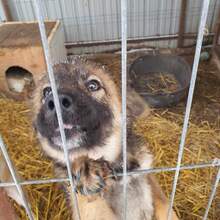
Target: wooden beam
{"points": [[216, 47], [216, 30], [182, 24], [137, 40], [7, 10]]}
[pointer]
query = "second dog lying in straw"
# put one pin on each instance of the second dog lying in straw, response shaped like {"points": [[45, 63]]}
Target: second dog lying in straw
{"points": [[91, 109]]}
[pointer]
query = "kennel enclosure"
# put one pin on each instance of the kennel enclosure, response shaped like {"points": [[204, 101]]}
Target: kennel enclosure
{"points": [[125, 24]]}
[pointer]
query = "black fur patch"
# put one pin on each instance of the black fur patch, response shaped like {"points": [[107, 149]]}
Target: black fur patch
{"points": [[87, 116]]}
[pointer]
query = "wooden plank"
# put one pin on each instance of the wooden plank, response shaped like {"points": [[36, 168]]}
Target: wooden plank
{"points": [[216, 46], [7, 10], [21, 34], [216, 31], [182, 23]]}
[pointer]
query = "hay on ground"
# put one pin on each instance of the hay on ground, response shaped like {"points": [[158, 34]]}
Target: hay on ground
{"points": [[48, 201], [162, 130], [202, 145]]}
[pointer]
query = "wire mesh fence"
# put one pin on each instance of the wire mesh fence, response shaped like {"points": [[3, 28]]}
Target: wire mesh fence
{"points": [[38, 8]]}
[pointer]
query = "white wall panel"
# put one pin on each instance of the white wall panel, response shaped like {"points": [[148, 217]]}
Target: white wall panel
{"points": [[99, 20]]}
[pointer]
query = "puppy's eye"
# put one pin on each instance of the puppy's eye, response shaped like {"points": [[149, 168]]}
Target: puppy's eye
{"points": [[93, 85], [46, 91]]}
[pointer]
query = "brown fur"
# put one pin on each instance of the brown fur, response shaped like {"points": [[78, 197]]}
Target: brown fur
{"points": [[161, 203], [93, 169], [7, 211], [5, 176]]}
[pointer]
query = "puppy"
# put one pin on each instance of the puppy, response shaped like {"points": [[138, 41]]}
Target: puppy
{"points": [[91, 110]]}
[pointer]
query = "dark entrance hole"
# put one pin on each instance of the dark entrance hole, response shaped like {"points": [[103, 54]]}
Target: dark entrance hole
{"points": [[19, 79]]}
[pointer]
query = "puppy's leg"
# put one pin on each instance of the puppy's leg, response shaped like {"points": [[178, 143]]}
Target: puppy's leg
{"points": [[92, 179], [161, 203], [5, 176], [6, 210], [91, 176]]}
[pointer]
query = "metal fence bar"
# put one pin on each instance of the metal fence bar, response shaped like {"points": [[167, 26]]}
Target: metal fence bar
{"points": [[14, 177], [214, 188], [214, 163], [189, 100], [35, 182], [124, 98], [38, 9]]}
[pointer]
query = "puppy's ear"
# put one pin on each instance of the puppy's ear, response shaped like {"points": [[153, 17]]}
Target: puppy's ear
{"points": [[34, 100], [37, 81], [136, 106]]}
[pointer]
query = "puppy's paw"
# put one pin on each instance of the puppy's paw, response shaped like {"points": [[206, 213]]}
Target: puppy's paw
{"points": [[91, 176]]}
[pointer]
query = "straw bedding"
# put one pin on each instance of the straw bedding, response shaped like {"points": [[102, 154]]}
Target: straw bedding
{"points": [[162, 130], [48, 200], [202, 145]]}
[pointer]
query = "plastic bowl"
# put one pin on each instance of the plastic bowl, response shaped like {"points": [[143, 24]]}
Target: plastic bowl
{"points": [[171, 64]]}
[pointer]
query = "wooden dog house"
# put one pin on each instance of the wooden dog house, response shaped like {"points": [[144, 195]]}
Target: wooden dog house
{"points": [[22, 57]]}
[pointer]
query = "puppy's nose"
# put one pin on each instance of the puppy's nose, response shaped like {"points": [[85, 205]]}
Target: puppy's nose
{"points": [[50, 105], [65, 103]]}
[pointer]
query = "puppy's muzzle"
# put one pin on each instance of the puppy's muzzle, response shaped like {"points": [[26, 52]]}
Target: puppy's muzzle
{"points": [[66, 103]]}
